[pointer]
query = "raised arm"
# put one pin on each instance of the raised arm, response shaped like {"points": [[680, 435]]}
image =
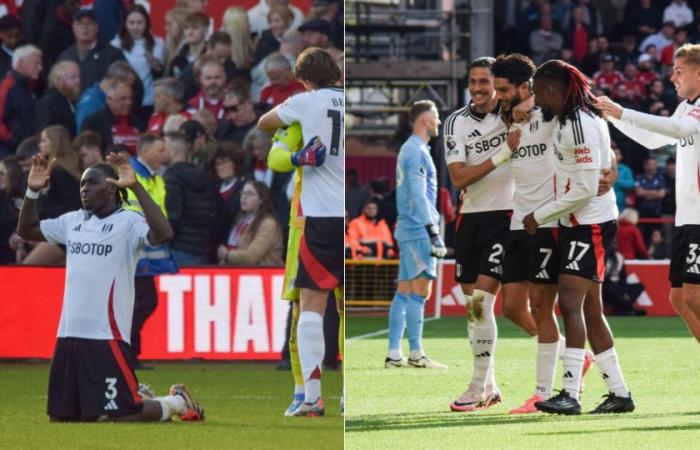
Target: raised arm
{"points": [[28, 223], [160, 229]]}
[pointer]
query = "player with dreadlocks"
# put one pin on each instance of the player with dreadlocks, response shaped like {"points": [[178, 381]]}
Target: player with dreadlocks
{"points": [[91, 376], [587, 225]]}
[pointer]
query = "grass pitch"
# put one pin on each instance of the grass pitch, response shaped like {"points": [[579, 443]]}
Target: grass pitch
{"points": [[244, 405], [409, 408]]}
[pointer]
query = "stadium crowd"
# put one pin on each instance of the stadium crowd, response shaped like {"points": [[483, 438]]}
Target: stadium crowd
{"points": [[80, 79], [626, 47]]}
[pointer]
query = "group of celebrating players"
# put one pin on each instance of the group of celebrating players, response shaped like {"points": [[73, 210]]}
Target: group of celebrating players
{"points": [[531, 156]]}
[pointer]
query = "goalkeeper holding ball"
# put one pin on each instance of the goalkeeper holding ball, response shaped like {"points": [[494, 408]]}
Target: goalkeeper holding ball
{"points": [[418, 236]]}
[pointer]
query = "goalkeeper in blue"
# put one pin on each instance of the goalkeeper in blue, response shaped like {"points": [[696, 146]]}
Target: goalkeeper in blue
{"points": [[417, 233]]}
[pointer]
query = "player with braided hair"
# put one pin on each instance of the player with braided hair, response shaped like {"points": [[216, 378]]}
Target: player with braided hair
{"points": [[587, 224], [91, 376]]}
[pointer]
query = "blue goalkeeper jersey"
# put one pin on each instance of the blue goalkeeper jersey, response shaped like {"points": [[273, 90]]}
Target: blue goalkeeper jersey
{"points": [[416, 190]]}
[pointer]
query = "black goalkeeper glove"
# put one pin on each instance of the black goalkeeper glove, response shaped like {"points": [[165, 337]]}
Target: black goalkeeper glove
{"points": [[437, 247]]}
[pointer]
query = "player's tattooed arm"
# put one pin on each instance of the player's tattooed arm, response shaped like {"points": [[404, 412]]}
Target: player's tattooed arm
{"points": [[160, 229], [28, 223]]}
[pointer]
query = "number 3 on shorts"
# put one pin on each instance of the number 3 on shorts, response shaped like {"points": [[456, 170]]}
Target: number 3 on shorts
{"points": [[111, 392]]}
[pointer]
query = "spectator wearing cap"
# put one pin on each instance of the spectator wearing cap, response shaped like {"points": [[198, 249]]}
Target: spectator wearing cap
{"points": [[630, 242], [240, 116], [219, 48], [189, 201], [316, 33], [57, 105], [642, 18], [212, 80], [196, 26], [94, 98], [257, 16], [17, 98], [679, 13], [90, 53], [279, 19], [646, 74], [282, 84], [114, 123], [545, 43], [660, 39], [10, 37], [144, 52], [607, 78], [168, 102]]}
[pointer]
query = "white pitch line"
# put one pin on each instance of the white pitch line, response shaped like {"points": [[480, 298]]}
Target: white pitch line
{"points": [[380, 332]]}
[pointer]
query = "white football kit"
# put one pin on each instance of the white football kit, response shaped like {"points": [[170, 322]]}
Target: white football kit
{"points": [[321, 113], [101, 257], [473, 138], [582, 149]]}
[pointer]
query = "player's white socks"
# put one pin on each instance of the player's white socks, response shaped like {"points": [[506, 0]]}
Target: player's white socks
{"points": [[546, 367], [483, 339], [573, 368], [311, 349], [562, 347], [611, 372], [171, 405]]}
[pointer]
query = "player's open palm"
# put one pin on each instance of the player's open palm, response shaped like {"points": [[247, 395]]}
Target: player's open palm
{"points": [[127, 176], [39, 174]]}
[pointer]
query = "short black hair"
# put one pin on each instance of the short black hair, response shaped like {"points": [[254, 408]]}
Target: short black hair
{"points": [[484, 61], [515, 68], [419, 108]]}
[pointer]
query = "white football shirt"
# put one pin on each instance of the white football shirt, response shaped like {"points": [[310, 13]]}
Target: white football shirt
{"points": [[473, 138], [101, 257], [582, 149], [533, 167], [682, 129], [321, 113]]}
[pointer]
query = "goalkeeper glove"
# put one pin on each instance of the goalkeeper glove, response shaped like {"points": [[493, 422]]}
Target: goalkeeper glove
{"points": [[313, 154], [437, 247]]}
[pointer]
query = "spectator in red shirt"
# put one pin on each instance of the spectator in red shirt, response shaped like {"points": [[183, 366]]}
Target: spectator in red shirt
{"points": [[607, 77], [579, 34], [646, 74], [168, 102], [630, 243], [282, 83], [633, 84], [212, 79]]}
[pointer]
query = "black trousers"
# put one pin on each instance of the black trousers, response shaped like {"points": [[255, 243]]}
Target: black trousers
{"points": [[145, 303]]}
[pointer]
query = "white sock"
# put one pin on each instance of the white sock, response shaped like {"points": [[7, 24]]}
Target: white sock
{"points": [[298, 389], [573, 368], [611, 372], [483, 340], [416, 354], [546, 367], [171, 405], [311, 349], [491, 377], [395, 354], [562, 347]]}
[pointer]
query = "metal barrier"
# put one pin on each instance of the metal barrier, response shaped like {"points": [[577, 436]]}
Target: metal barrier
{"points": [[370, 283]]}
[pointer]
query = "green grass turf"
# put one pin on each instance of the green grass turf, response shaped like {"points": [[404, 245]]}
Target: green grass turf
{"points": [[409, 408], [244, 405]]}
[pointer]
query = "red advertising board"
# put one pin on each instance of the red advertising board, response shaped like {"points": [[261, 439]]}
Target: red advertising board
{"points": [[202, 313], [652, 274]]}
